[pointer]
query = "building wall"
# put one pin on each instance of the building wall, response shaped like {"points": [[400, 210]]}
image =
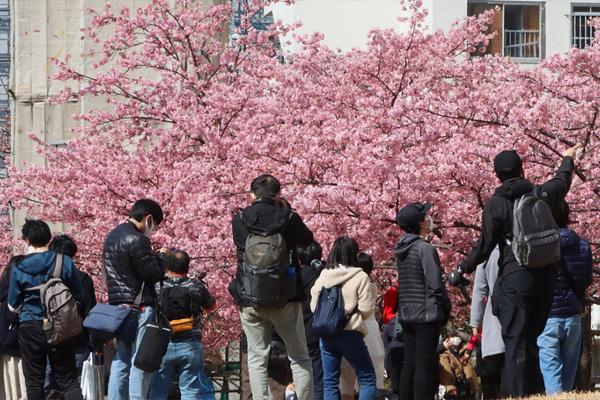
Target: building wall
{"points": [[44, 30], [346, 23]]}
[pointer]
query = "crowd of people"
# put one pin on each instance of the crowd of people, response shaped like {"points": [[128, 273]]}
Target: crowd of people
{"points": [[309, 325]]}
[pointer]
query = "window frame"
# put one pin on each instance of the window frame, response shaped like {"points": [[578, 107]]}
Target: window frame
{"points": [[542, 21], [574, 14]]}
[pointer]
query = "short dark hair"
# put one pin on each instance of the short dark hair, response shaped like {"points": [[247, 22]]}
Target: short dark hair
{"points": [[344, 251], [306, 254], [265, 185], [179, 262], [144, 207], [37, 232], [562, 214], [64, 244], [365, 261], [506, 175]]}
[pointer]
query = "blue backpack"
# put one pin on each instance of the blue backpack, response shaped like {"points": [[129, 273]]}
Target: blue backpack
{"points": [[330, 317]]}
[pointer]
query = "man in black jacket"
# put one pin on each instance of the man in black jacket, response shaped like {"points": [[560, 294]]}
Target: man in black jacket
{"points": [[131, 267], [522, 297], [270, 214]]}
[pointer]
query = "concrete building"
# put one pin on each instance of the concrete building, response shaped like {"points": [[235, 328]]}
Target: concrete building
{"points": [[528, 30]]}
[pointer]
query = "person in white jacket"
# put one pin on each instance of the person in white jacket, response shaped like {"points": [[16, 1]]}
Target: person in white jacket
{"points": [[487, 327], [358, 296], [373, 341]]}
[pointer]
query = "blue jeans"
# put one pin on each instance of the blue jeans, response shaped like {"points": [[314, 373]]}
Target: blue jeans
{"points": [[207, 387], [560, 348], [185, 360], [127, 382], [351, 346]]}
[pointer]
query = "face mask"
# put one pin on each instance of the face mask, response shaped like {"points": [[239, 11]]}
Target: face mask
{"points": [[455, 341], [149, 227], [29, 250], [430, 223]]}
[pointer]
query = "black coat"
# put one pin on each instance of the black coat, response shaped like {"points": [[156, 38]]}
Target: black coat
{"points": [[496, 224], [9, 343], [128, 261], [267, 217]]}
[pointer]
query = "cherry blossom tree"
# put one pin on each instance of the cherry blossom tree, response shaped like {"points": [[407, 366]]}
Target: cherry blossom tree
{"points": [[190, 119]]}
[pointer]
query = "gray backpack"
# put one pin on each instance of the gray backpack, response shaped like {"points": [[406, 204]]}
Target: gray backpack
{"points": [[62, 318], [268, 276], [535, 234]]}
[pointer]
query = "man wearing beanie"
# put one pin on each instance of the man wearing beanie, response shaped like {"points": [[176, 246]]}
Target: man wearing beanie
{"points": [[522, 297]]}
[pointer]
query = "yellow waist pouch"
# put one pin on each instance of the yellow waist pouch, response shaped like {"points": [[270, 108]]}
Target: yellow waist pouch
{"points": [[182, 325]]}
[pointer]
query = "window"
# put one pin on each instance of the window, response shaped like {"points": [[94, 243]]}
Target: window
{"points": [[581, 32], [519, 29]]}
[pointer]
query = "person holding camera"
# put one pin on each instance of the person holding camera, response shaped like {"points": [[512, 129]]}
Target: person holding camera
{"points": [[132, 267], [183, 300], [268, 283], [524, 290]]}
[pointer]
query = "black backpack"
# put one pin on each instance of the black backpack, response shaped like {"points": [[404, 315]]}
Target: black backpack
{"points": [[267, 275], [176, 302]]}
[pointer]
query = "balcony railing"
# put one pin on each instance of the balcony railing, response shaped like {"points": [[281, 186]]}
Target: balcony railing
{"points": [[522, 44]]}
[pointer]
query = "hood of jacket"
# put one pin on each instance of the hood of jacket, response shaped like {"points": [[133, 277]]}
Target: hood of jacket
{"points": [[337, 276], [266, 217], [406, 242], [514, 188], [38, 263]]}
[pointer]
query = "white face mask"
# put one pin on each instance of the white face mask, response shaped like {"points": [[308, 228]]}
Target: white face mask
{"points": [[29, 250], [455, 341], [430, 223], [149, 227]]}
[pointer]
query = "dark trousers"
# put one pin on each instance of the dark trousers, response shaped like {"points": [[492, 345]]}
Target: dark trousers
{"points": [[317, 365], [394, 361], [418, 379], [522, 301], [490, 371], [35, 352]]}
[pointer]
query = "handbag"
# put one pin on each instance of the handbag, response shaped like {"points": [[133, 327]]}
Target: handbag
{"points": [[154, 343], [106, 322]]}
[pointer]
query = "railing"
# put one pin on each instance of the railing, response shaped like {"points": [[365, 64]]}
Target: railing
{"points": [[582, 33], [522, 43]]}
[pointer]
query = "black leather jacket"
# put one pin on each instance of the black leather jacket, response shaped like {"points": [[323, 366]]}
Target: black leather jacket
{"points": [[128, 261]]}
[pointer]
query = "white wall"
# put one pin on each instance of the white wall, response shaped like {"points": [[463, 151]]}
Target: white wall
{"points": [[346, 23]]}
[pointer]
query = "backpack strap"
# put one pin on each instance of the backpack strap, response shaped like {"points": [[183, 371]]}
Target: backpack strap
{"points": [[58, 265], [138, 299]]}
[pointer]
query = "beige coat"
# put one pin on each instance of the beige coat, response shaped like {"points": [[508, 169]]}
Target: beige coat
{"points": [[357, 290]]}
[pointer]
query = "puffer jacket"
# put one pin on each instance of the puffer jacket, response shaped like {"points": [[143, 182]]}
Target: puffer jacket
{"points": [[358, 292], [577, 261], [422, 297], [128, 261]]}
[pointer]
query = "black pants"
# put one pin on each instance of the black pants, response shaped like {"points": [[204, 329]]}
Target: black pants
{"points": [[35, 351], [522, 301], [394, 361], [419, 375], [490, 371]]}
